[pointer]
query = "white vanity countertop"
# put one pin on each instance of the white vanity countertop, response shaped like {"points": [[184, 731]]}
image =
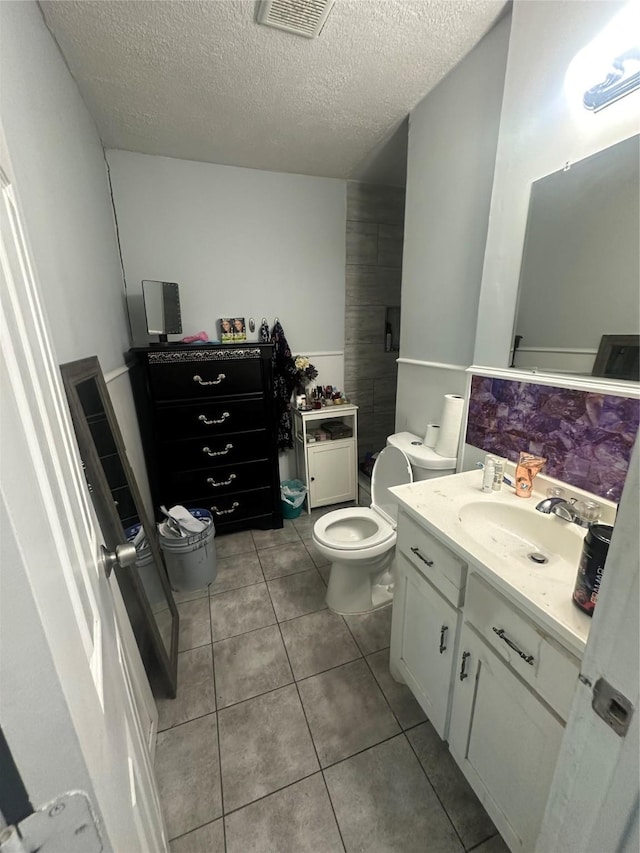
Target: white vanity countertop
{"points": [[544, 591]]}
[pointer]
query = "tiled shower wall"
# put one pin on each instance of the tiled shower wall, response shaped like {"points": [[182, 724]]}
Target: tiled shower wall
{"points": [[587, 438], [375, 230]]}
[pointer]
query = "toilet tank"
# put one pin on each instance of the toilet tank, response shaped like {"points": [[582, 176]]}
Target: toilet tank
{"points": [[425, 462]]}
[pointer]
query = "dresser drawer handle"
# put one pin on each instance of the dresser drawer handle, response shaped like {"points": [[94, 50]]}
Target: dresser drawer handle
{"points": [[202, 381], [234, 506], [443, 638], [526, 658], [205, 419], [211, 452], [416, 551], [215, 485]]}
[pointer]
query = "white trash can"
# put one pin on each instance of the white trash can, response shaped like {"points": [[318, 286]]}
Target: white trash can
{"points": [[191, 559], [147, 569]]}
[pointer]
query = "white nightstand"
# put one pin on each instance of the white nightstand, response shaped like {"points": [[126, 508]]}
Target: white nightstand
{"points": [[329, 468]]}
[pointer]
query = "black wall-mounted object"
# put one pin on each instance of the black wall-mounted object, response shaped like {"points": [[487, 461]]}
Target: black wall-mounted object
{"points": [[208, 425]]}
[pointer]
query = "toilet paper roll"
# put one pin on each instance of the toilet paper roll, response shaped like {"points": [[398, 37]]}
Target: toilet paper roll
{"points": [[450, 423], [431, 435]]}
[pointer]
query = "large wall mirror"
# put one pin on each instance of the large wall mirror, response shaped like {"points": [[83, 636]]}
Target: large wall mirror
{"points": [[144, 585], [581, 266]]}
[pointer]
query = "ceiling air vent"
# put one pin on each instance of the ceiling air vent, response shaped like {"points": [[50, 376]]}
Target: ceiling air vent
{"points": [[302, 17]]}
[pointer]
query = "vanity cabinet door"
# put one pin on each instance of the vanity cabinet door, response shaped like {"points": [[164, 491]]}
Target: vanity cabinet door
{"points": [[424, 631], [505, 740]]}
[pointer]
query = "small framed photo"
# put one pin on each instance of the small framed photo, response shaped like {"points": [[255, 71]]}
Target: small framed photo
{"points": [[239, 329], [226, 330]]}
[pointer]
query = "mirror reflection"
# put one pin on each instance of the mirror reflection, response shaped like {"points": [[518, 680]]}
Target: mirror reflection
{"points": [[131, 527], [581, 262], [145, 587], [162, 308]]}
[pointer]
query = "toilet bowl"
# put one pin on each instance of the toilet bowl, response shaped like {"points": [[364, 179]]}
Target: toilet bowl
{"points": [[360, 541]]}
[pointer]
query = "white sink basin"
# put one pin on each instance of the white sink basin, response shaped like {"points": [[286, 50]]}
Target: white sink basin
{"points": [[517, 532]]}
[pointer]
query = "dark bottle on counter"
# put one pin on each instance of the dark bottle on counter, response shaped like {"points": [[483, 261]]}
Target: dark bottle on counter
{"points": [[594, 554]]}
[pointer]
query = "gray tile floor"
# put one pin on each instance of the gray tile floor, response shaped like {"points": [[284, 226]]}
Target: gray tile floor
{"points": [[288, 734]]}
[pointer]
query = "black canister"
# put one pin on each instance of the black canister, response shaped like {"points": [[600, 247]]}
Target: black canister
{"points": [[594, 554]]}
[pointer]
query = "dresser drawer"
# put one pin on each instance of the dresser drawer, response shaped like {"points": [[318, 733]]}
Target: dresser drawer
{"points": [[435, 561], [205, 379], [215, 451], [209, 418], [537, 658], [219, 481], [236, 507]]}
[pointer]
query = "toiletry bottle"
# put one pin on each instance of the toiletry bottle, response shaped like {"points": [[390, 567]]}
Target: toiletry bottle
{"points": [[498, 474], [387, 338], [488, 474]]}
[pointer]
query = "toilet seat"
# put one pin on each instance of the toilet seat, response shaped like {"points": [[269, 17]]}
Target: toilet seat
{"points": [[356, 528], [360, 533]]}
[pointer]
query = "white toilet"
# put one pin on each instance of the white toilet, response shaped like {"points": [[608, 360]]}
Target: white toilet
{"points": [[360, 541]]}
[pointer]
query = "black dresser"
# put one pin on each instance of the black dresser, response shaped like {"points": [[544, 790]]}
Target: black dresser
{"points": [[208, 429]]}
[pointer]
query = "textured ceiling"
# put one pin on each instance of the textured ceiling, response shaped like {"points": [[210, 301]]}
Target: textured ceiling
{"points": [[204, 81]]}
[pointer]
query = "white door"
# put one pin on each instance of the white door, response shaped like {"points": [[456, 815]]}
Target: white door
{"points": [[423, 642], [332, 467], [504, 740], [594, 801], [76, 689]]}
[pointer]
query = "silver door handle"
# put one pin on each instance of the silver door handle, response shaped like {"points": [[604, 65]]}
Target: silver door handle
{"points": [[443, 635], [123, 556], [463, 666], [202, 381], [525, 657], [416, 551]]}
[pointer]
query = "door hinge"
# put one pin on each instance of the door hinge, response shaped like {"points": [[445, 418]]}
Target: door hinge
{"points": [[65, 825], [614, 708]]}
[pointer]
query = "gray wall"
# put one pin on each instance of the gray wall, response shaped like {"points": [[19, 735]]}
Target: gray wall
{"points": [[453, 134], [240, 242], [375, 217], [543, 125], [61, 176]]}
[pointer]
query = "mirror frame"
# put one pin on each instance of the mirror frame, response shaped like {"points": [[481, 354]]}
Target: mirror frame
{"points": [[161, 667]]}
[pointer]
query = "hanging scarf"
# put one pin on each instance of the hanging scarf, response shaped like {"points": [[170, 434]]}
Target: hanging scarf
{"points": [[284, 381], [265, 337]]}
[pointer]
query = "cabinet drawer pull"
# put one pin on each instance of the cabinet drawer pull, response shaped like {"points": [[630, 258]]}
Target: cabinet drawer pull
{"points": [[526, 658], [202, 381], [463, 666], [416, 551], [211, 452], [443, 636], [227, 482], [234, 506], [205, 419]]}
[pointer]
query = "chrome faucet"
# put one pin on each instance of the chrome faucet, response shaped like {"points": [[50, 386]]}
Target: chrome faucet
{"points": [[562, 508]]}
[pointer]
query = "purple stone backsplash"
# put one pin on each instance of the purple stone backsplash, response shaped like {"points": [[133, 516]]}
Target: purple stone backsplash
{"points": [[586, 438]]}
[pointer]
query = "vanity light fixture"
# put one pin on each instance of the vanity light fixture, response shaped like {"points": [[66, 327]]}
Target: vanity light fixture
{"points": [[608, 68]]}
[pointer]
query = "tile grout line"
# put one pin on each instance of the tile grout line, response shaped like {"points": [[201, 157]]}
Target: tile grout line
{"points": [[433, 788], [395, 716], [313, 743], [215, 695]]}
